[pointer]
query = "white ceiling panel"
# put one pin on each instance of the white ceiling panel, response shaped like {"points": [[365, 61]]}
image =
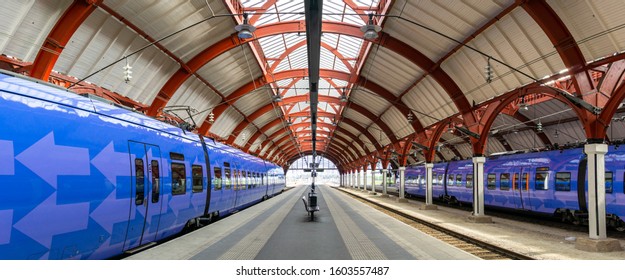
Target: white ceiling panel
{"points": [[162, 18], [195, 94], [26, 24], [231, 70], [390, 70], [226, 123], [455, 19], [369, 100], [397, 122], [597, 26], [253, 101], [429, 102]]}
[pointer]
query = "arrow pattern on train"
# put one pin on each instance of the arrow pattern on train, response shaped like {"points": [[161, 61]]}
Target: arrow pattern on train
{"points": [[6, 221], [49, 160], [111, 163], [59, 218], [102, 214], [6, 157]]}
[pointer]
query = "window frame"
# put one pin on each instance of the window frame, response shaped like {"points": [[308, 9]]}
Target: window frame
{"points": [[217, 178], [194, 178], [566, 182], [505, 187], [491, 185], [183, 189]]}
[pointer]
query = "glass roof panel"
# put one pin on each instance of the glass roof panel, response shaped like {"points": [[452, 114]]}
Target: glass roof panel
{"points": [[273, 47]]}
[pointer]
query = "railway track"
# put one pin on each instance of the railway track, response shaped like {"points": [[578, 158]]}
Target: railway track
{"points": [[468, 244], [547, 221]]}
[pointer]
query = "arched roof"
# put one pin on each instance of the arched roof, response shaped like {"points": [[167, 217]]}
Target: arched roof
{"points": [[417, 86]]}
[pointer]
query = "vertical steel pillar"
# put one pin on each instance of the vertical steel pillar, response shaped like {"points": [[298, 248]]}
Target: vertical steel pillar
{"points": [[384, 182], [478, 186], [596, 190], [372, 181], [364, 179], [402, 184], [428, 183]]}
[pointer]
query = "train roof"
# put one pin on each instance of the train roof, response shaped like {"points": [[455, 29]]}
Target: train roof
{"points": [[26, 86]]}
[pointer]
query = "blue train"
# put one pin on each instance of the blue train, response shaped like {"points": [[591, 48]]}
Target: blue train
{"points": [[82, 179], [552, 183]]}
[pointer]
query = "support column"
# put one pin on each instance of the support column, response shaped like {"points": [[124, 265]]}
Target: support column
{"points": [[358, 180], [402, 184], [364, 180], [428, 188], [597, 240], [351, 179], [478, 192], [372, 182], [384, 182]]}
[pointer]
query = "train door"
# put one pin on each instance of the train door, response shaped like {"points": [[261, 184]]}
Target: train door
{"points": [[237, 186], [229, 183], [520, 187], [146, 197]]}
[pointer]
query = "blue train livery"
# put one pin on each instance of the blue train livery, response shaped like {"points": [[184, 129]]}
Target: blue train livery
{"points": [[82, 179], [547, 183]]}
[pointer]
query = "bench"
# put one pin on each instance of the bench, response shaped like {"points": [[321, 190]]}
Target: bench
{"points": [[311, 209]]}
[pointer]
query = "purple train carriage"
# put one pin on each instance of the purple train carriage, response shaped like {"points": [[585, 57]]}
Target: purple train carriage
{"points": [[546, 183], [81, 179]]}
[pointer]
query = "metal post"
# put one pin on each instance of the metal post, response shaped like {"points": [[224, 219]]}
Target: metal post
{"points": [[384, 182], [596, 190], [478, 186], [478, 192], [373, 181], [364, 179], [402, 184], [429, 205], [597, 240]]}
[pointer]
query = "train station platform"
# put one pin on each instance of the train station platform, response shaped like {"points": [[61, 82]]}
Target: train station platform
{"points": [[280, 229], [529, 239]]}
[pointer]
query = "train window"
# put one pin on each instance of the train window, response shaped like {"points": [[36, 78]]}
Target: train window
{"points": [[217, 178], [492, 181], [156, 179], [227, 176], [563, 181], [176, 156], [440, 179], [140, 182], [450, 179], [198, 178], [609, 179], [458, 179], [504, 181], [434, 180], [469, 182], [541, 179], [178, 179]]}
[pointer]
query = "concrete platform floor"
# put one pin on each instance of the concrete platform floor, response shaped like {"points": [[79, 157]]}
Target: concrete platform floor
{"points": [[533, 240], [280, 229]]}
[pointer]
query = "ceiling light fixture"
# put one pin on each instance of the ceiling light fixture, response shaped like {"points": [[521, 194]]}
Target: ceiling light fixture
{"points": [[246, 30], [488, 71], [523, 106], [370, 30], [211, 117], [410, 116]]}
